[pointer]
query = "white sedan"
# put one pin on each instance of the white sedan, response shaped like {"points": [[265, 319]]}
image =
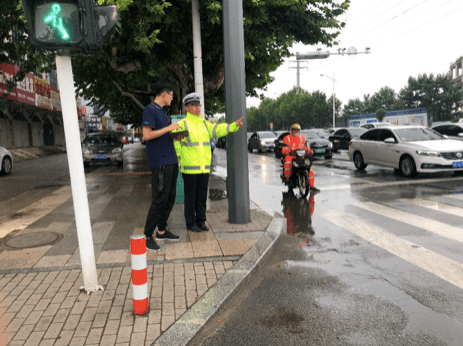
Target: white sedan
{"points": [[409, 149], [6, 161]]}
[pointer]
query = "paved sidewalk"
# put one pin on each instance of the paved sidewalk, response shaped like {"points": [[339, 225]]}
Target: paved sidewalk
{"points": [[40, 298]]}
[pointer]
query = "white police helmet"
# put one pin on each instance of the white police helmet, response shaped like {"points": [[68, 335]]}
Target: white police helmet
{"points": [[192, 98]]}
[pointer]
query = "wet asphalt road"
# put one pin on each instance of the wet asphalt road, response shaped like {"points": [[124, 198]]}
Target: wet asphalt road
{"points": [[373, 259]]}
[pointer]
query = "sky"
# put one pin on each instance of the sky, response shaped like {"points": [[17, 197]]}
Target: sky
{"points": [[406, 38]]}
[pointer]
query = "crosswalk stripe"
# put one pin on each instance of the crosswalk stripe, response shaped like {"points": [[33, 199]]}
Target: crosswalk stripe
{"points": [[441, 266], [436, 227], [35, 211], [455, 195], [444, 208]]}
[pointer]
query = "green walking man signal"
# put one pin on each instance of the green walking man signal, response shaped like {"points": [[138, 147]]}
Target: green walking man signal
{"points": [[63, 25], [56, 22]]}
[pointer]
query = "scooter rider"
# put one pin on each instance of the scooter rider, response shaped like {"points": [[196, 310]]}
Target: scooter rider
{"points": [[296, 141]]}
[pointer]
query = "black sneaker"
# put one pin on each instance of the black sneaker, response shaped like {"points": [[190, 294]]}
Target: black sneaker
{"points": [[151, 244], [194, 228], [203, 226], [314, 189], [167, 235]]}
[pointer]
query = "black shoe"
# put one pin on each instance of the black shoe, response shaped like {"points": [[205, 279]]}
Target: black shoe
{"points": [[167, 235], [314, 189], [151, 244], [194, 228], [203, 226]]}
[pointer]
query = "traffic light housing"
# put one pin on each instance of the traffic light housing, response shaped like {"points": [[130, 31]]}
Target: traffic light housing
{"points": [[69, 24]]}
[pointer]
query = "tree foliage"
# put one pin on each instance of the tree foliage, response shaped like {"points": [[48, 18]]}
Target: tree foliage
{"points": [[440, 95], [15, 46], [307, 109], [153, 41]]}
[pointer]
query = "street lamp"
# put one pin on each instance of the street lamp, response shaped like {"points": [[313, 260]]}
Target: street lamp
{"points": [[334, 120]]}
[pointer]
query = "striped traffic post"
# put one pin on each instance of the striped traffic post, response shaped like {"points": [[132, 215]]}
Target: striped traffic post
{"points": [[139, 274]]}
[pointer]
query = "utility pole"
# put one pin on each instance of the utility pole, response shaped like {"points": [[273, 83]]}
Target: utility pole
{"points": [[298, 75], [235, 108], [197, 54]]}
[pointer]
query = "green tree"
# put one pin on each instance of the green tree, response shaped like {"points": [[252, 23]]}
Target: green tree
{"points": [[385, 98], [354, 107], [15, 46], [380, 114], [440, 95], [153, 41]]}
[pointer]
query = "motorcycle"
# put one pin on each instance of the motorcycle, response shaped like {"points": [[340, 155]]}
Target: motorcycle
{"points": [[300, 172]]}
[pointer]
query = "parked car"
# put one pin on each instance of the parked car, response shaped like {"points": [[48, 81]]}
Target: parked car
{"points": [[6, 161], [102, 148], [261, 141], [408, 149], [322, 133], [451, 130], [375, 125], [333, 129], [278, 144], [342, 137], [320, 146]]}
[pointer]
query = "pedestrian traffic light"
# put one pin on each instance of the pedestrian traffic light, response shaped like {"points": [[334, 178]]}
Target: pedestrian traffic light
{"points": [[69, 24]]}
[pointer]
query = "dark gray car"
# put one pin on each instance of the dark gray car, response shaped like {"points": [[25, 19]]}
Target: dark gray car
{"points": [[102, 148]]}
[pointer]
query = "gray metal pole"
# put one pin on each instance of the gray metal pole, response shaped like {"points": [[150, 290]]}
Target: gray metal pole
{"points": [[298, 80], [235, 108]]}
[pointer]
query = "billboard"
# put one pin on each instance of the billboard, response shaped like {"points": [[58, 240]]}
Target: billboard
{"points": [[23, 91]]}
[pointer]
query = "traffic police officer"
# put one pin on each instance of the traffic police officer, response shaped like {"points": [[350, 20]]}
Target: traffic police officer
{"points": [[194, 156]]}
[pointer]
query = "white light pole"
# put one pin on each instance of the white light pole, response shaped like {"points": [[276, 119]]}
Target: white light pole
{"points": [[197, 54], [334, 109]]}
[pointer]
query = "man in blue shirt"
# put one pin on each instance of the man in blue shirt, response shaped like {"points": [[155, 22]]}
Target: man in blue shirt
{"points": [[163, 164]]}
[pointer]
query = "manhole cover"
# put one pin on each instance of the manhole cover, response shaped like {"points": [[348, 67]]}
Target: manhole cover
{"points": [[29, 240]]}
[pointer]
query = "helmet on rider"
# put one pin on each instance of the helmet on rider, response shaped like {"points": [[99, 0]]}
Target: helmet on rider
{"points": [[295, 129]]}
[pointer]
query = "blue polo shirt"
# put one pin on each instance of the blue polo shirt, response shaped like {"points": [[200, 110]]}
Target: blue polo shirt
{"points": [[161, 150]]}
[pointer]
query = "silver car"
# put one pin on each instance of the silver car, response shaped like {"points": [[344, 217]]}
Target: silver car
{"points": [[102, 148], [408, 149], [6, 161], [261, 141]]}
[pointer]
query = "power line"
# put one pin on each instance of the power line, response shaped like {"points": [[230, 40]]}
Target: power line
{"points": [[379, 15], [448, 14], [432, 9], [377, 27]]}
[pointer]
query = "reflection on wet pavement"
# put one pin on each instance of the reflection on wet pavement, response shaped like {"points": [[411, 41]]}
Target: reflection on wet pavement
{"points": [[298, 212]]}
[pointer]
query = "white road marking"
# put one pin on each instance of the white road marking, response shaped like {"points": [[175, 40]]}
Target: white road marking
{"points": [[455, 195], [35, 211], [441, 266], [436, 227], [444, 208]]}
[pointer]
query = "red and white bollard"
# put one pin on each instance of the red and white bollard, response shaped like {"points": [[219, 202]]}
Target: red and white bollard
{"points": [[139, 274]]}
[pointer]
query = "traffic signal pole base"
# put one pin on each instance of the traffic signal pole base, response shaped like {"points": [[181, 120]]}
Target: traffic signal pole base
{"points": [[77, 174]]}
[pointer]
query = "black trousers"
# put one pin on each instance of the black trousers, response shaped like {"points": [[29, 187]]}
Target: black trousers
{"points": [[195, 187], [163, 190]]}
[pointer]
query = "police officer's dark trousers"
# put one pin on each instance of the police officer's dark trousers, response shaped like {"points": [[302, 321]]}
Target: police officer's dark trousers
{"points": [[163, 190], [195, 187]]}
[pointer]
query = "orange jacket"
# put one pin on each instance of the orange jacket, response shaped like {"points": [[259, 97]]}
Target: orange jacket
{"points": [[294, 142]]}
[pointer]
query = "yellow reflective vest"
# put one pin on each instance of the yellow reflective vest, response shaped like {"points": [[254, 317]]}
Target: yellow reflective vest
{"points": [[194, 151]]}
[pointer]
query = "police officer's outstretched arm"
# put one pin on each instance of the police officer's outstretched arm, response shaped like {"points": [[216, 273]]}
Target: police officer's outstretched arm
{"points": [[220, 130]]}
